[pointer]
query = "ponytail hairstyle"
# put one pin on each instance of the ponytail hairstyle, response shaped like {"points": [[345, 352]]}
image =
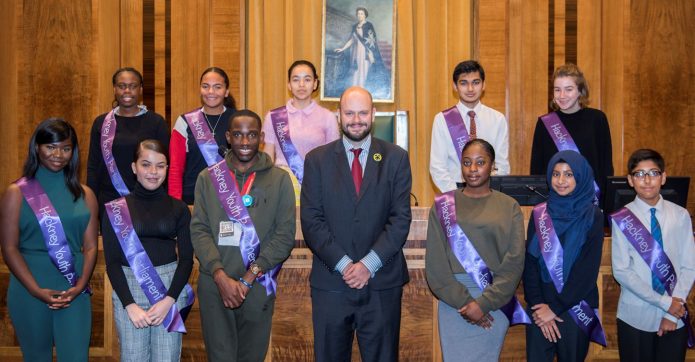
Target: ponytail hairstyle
{"points": [[229, 101], [152, 145], [308, 64]]}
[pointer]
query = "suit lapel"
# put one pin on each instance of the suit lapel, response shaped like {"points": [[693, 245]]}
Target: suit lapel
{"points": [[372, 169], [343, 170]]}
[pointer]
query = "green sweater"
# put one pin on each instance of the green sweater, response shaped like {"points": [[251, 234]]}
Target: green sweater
{"points": [[273, 215], [495, 226]]}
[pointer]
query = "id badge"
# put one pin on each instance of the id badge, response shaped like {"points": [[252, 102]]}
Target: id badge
{"points": [[230, 233]]}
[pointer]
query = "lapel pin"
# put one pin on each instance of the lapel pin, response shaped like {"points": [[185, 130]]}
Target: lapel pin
{"points": [[377, 157]]}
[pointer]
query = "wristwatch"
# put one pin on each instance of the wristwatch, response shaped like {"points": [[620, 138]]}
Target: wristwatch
{"points": [[255, 270]]}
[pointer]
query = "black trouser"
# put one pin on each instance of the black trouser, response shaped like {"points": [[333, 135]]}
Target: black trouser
{"points": [[374, 314], [573, 346], [637, 345]]}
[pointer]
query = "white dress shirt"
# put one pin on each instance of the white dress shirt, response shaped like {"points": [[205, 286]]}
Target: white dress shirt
{"points": [[639, 305], [445, 167]]}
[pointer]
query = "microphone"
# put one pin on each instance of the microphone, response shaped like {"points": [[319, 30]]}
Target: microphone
{"points": [[535, 191], [415, 197]]}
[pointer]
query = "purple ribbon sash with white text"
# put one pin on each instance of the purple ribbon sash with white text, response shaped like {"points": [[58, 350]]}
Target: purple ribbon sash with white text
{"points": [[457, 129], [230, 199], [108, 133], [586, 318], [564, 141], [203, 137], [145, 273], [653, 254], [51, 228], [281, 126], [469, 258]]}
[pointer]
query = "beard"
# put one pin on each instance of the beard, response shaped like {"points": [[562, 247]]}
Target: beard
{"points": [[360, 136]]}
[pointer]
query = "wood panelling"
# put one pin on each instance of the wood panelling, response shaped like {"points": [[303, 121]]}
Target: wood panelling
{"points": [[589, 46], [58, 57], [614, 43], [227, 40], [432, 37], [10, 100], [131, 30], [558, 27], [490, 48], [528, 64], [160, 58], [204, 33], [660, 112], [190, 52]]}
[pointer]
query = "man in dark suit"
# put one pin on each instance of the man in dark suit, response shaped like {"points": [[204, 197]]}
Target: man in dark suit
{"points": [[356, 223]]}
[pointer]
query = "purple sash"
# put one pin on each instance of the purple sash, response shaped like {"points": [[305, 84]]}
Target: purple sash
{"points": [[145, 273], [469, 258], [653, 254], [563, 140], [281, 127], [230, 199], [108, 133], [203, 137], [51, 228], [586, 318], [457, 129]]}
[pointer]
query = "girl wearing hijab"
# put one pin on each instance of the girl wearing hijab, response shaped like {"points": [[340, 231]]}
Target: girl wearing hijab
{"points": [[564, 243]]}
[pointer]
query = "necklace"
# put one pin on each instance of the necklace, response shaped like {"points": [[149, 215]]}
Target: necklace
{"points": [[219, 116]]}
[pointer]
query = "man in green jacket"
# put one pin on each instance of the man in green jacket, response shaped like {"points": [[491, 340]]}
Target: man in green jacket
{"points": [[236, 309]]}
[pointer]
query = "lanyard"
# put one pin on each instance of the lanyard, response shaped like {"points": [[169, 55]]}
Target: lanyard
{"points": [[245, 197]]}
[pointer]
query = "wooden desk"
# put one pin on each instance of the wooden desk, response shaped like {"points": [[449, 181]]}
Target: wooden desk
{"points": [[292, 336]]}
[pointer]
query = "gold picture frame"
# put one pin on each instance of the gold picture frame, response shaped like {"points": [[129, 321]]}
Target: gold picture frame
{"points": [[358, 47]]}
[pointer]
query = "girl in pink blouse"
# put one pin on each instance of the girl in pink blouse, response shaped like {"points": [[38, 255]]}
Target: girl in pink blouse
{"points": [[309, 125]]}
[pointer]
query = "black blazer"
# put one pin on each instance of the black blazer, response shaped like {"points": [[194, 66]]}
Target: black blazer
{"points": [[337, 222]]}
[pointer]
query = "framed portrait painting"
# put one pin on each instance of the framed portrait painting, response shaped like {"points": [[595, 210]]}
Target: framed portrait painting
{"points": [[358, 48]]}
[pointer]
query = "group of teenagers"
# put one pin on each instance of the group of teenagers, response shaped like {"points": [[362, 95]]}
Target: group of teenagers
{"points": [[477, 252], [245, 177]]}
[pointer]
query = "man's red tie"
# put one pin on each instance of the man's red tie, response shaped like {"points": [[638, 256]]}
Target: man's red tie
{"points": [[357, 169], [474, 130]]}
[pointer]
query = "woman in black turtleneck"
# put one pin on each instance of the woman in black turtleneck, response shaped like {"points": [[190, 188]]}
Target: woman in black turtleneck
{"points": [[162, 225]]}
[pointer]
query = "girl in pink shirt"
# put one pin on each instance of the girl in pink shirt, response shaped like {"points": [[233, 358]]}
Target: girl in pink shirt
{"points": [[309, 124]]}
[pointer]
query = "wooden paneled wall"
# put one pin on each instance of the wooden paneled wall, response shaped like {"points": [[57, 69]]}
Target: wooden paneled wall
{"points": [[58, 56], [57, 59], [636, 58], [633, 53]]}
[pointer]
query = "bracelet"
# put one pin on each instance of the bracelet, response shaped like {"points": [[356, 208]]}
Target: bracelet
{"points": [[245, 283]]}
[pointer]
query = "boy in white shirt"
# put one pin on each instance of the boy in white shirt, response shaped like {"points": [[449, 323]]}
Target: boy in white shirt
{"points": [[488, 124], [652, 298]]}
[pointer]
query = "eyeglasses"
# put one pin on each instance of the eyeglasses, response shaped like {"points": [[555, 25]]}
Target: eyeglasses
{"points": [[642, 173], [131, 86]]}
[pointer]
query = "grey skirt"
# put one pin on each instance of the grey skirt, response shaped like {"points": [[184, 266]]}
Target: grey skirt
{"points": [[462, 341]]}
